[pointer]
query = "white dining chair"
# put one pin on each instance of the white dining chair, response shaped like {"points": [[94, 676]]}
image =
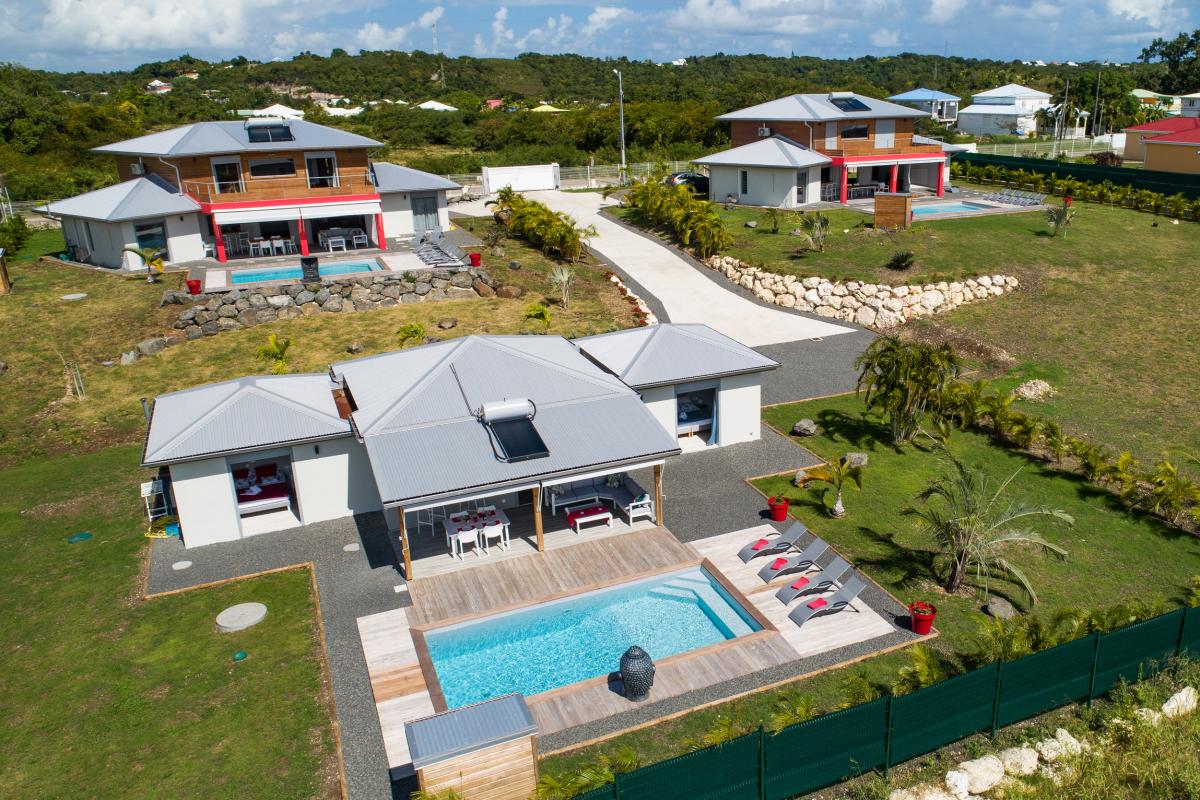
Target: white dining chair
{"points": [[360, 240]]}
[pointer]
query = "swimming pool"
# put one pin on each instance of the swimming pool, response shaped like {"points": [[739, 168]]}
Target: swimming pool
{"points": [[948, 208], [565, 641], [293, 272]]}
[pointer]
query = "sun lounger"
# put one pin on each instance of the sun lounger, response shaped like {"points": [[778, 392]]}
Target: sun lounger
{"points": [[820, 581], [832, 604], [779, 544], [805, 559]]}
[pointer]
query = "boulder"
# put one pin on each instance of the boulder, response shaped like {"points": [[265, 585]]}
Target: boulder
{"points": [[129, 358], [885, 319], [209, 328], [865, 316], [510, 292], [811, 297], [440, 283], [409, 298], [483, 289], [309, 309], [932, 299], [423, 287], [1019, 760], [322, 295], [1148, 716], [242, 304], [514, 265], [333, 304], [785, 300], [805, 427], [188, 314], [752, 223], [227, 324], [257, 300], [392, 291], [957, 784], [279, 301], [305, 296], [982, 773], [811, 283], [446, 323], [192, 332], [152, 346], [227, 312], [461, 279], [354, 348], [265, 315], [248, 317], [1181, 703], [856, 459], [999, 608]]}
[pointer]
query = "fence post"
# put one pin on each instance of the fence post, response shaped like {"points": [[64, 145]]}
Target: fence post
{"points": [[1095, 666], [617, 786], [762, 763], [1182, 627], [996, 699], [887, 737]]}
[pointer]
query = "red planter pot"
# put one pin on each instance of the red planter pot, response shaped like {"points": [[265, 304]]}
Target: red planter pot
{"points": [[779, 509], [921, 622]]}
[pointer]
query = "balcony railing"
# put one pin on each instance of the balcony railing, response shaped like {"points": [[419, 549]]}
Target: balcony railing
{"points": [[868, 148], [249, 188]]}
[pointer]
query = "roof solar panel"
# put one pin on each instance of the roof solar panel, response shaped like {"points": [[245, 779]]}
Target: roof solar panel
{"points": [[849, 104], [518, 440]]}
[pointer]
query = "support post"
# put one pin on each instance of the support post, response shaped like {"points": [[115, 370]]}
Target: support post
{"points": [[303, 234], [221, 257], [537, 517], [404, 546], [893, 179], [658, 496], [996, 699], [380, 238], [887, 736], [941, 179], [5, 281], [1095, 666], [845, 187]]}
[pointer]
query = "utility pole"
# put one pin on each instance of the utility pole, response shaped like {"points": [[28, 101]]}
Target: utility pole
{"points": [[441, 61], [1096, 106], [621, 111]]}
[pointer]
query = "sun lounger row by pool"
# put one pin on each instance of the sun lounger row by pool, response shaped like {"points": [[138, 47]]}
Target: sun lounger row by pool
{"points": [[1013, 197]]}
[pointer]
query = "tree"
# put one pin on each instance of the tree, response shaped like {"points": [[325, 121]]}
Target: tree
{"points": [[411, 330], [274, 352], [1171, 491], [907, 381], [537, 312], [837, 475], [792, 708], [1181, 57], [969, 524], [563, 278], [772, 217], [1060, 218], [923, 669], [152, 259], [816, 230]]}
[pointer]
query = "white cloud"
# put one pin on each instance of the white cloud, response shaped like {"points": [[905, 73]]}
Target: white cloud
{"points": [[1153, 12], [552, 36], [773, 17], [374, 36], [604, 17], [104, 25], [942, 11], [1037, 10], [502, 35], [885, 38]]}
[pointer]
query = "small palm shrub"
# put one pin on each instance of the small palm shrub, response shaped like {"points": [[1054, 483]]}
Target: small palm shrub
{"points": [[792, 708], [274, 353], [537, 312], [410, 331], [902, 260], [1060, 218], [924, 668]]}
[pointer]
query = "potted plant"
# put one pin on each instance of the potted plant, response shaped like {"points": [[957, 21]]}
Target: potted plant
{"points": [[921, 616], [779, 508]]}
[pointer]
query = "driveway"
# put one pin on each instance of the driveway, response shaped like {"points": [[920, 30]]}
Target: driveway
{"points": [[685, 294]]}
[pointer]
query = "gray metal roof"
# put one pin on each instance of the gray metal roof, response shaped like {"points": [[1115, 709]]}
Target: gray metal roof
{"points": [[468, 729], [659, 355], [817, 107], [139, 198], [947, 147], [416, 413], [773, 151], [243, 414], [921, 94], [1011, 90], [396, 178], [211, 138]]}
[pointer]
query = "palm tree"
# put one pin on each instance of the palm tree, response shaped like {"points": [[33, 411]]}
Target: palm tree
{"points": [[563, 278], [772, 217], [152, 259], [969, 525], [906, 381], [792, 708], [816, 229], [837, 475], [1054, 439], [274, 352], [923, 669], [723, 730], [1171, 492], [411, 330], [857, 688], [1060, 219]]}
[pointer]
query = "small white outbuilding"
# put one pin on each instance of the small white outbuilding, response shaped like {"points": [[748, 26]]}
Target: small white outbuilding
{"points": [[773, 172]]}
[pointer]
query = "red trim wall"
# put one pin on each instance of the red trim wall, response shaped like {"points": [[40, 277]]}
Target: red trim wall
{"points": [[852, 160], [290, 202]]}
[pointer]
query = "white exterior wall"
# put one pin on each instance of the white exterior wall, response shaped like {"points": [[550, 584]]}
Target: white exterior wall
{"points": [[660, 400], [529, 178], [766, 186], [205, 501], [1190, 107], [185, 240], [739, 407], [993, 124], [398, 216], [334, 482]]}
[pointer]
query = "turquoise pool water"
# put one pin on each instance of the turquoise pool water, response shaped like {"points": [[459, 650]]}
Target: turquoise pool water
{"points": [[566, 641], [294, 272], [947, 208]]}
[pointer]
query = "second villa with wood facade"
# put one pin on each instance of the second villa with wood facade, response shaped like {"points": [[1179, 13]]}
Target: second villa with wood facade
{"points": [[835, 147]]}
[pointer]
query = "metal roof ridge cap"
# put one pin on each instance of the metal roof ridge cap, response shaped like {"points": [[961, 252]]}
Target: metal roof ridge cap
{"points": [[600, 380], [307, 410], [390, 409], [641, 352], [234, 386]]}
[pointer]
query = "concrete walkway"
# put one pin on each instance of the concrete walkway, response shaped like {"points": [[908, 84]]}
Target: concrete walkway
{"points": [[686, 295]]}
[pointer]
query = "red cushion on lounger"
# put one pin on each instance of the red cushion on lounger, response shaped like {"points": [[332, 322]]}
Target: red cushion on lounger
{"points": [[778, 563], [820, 602], [759, 545], [265, 471], [800, 584]]}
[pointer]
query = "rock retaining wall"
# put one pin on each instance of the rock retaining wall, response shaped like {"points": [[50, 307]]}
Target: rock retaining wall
{"points": [[873, 305], [208, 315]]}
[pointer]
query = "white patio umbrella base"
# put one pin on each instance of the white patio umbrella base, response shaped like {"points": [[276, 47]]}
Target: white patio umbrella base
{"points": [[179, 565], [240, 617]]}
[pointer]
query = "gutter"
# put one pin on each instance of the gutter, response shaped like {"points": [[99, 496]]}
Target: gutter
{"points": [[691, 379], [240, 450], [178, 177]]}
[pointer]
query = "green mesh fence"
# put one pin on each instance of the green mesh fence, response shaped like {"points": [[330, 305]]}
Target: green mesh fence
{"points": [[945, 712], [1165, 182], [1190, 641], [725, 772], [1044, 681], [606, 792], [825, 750], [1137, 651]]}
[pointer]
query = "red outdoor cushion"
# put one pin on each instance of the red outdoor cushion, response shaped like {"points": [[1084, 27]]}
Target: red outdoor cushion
{"points": [[800, 584], [584, 512], [820, 602], [265, 471], [241, 474], [272, 492], [759, 545], [778, 563]]}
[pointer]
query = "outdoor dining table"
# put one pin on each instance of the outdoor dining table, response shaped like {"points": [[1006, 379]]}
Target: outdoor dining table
{"points": [[472, 525]]}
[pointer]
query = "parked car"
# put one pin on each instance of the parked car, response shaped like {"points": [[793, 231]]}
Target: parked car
{"points": [[697, 182]]}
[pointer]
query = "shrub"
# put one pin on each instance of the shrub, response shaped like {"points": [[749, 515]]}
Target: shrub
{"points": [[901, 260], [537, 312], [553, 232], [14, 233], [412, 330], [694, 222]]}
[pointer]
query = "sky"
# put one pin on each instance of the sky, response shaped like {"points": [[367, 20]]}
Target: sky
{"points": [[99, 35]]}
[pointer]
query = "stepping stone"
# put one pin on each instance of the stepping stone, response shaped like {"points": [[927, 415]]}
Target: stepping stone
{"points": [[240, 617], [74, 296], [179, 565], [351, 548]]}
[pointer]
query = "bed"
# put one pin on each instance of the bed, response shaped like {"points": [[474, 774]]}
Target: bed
{"points": [[269, 497], [693, 417]]}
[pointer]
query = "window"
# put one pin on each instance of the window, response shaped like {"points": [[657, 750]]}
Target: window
{"points": [[271, 167], [88, 244], [801, 185], [322, 170], [269, 133], [744, 176], [227, 174], [854, 131], [849, 104], [151, 235]]}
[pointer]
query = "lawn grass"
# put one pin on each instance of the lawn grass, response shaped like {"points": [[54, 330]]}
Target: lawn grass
{"points": [[108, 695]]}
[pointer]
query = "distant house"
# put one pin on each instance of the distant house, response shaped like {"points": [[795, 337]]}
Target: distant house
{"points": [[340, 111], [1009, 109], [191, 75], [1190, 105], [1169, 103], [434, 105], [546, 108], [275, 110], [1174, 152], [494, 103], [158, 87], [939, 105], [809, 148]]}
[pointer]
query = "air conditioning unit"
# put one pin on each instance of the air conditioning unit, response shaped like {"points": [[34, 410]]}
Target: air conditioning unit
{"points": [[136, 168], [764, 131]]}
